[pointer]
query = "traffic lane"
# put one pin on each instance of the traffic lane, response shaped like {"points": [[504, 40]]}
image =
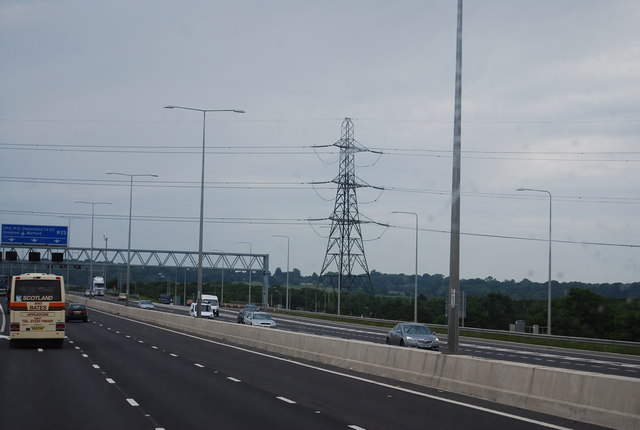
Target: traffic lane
{"points": [[505, 351], [53, 388], [340, 398], [611, 364], [181, 391], [557, 358]]}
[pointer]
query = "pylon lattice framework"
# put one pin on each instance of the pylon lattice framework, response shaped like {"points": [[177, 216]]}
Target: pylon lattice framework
{"points": [[345, 247]]}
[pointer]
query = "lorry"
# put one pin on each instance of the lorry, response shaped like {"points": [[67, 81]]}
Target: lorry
{"points": [[98, 288]]}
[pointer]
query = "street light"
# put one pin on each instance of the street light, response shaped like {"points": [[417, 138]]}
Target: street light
{"points": [[204, 123], [415, 302], [184, 293], [250, 252], [106, 250], [549, 286], [69, 218], [286, 237], [93, 205], [131, 176], [221, 279]]}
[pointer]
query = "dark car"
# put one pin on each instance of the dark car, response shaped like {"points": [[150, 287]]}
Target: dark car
{"points": [[414, 335], [76, 311], [248, 308]]}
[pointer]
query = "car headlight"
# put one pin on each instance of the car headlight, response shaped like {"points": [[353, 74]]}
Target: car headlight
{"points": [[411, 339]]}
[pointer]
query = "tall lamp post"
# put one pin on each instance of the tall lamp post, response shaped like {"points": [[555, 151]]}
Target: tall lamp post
{"points": [[286, 237], [106, 250], [549, 286], [415, 303], [93, 205], [131, 176], [69, 218], [204, 123], [221, 279], [250, 252]]}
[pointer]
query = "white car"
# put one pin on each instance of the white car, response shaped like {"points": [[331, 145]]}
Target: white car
{"points": [[213, 301], [206, 311], [260, 319]]}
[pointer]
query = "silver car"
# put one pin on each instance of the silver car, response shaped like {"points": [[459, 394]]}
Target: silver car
{"points": [[414, 335], [146, 304], [260, 319]]}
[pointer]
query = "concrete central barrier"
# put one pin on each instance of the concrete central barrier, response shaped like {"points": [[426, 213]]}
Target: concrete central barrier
{"points": [[606, 400]]}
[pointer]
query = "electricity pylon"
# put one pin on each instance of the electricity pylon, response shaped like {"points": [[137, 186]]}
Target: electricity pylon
{"points": [[345, 248]]}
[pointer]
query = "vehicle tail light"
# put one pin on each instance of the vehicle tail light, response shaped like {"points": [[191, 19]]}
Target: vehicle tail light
{"points": [[59, 326], [15, 326]]}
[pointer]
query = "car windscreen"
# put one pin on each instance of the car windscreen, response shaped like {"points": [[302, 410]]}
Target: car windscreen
{"points": [[258, 316], [418, 329], [37, 290]]}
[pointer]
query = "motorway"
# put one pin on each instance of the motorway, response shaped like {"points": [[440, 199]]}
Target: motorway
{"points": [[588, 361], [116, 373]]}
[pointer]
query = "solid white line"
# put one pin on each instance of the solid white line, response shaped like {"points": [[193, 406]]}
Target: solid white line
{"points": [[132, 402], [284, 399], [357, 378]]}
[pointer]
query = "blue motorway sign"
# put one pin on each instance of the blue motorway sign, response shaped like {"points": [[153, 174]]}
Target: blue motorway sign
{"points": [[36, 235]]}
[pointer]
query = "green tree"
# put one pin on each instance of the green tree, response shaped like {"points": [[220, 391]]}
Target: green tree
{"points": [[582, 313]]}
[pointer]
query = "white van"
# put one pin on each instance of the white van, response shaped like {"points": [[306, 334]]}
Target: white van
{"points": [[206, 311], [213, 301]]}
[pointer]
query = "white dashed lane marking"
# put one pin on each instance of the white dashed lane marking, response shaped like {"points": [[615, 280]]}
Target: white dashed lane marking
{"points": [[284, 399]]}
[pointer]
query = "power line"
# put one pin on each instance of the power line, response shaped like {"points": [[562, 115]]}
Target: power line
{"points": [[299, 222], [300, 150], [294, 120], [300, 185]]}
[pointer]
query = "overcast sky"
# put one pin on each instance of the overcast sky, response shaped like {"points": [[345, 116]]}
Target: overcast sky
{"points": [[550, 100]]}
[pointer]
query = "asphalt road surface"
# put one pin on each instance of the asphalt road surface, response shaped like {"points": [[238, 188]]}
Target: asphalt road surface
{"points": [[115, 373]]}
